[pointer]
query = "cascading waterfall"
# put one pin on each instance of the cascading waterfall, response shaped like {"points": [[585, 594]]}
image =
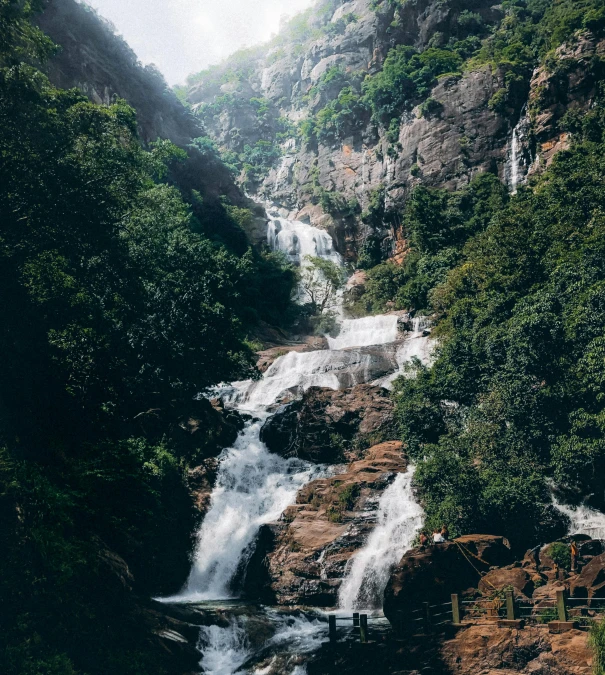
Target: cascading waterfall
{"points": [[253, 487], [371, 330], [584, 519], [399, 519], [298, 240], [417, 345]]}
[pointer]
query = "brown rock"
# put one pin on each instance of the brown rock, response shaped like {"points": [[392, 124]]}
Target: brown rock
{"points": [[302, 559], [326, 425], [590, 582], [489, 650], [514, 577], [433, 574]]}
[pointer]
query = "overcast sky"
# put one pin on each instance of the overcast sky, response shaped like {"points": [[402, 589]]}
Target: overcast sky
{"points": [[185, 36]]}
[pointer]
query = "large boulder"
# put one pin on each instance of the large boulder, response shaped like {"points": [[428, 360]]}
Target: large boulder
{"points": [[433, 573], [490, 651], [590, 583], [301, 559], [327, 426]]}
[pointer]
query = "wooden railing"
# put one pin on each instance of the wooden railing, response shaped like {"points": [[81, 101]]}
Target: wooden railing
{"points": [[559, 612]]}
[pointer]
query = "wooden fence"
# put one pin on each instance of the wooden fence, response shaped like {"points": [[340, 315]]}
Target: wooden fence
{"points": [[559, 613]]}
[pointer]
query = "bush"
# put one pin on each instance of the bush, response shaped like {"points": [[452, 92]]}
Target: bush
{"points": [[561, 555]]}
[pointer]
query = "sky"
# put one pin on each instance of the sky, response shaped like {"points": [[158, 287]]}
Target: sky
{"points": [[185, 36]]}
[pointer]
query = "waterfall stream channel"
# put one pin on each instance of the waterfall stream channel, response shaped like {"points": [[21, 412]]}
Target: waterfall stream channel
{"points": [[254, 487]]}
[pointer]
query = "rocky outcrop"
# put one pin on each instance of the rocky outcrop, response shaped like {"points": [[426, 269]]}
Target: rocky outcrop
{"points": [[503, 651], [433, 573], [567, 84], [328, 426], [443, 149], [301, 560]]}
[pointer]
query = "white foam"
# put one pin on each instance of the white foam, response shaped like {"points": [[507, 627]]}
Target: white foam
{"points": [[400, 518]]}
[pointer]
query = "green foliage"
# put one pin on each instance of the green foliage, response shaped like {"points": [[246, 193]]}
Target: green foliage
{"points": [[348, 495], [437, 226], [321, 280], [597, 644], [560, 553], [407, 75], [116, 311], [516, 394]]}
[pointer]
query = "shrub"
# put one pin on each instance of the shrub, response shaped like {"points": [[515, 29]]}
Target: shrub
{"points": [[561, 555]]}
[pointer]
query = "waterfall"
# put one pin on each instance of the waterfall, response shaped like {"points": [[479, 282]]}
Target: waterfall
{"points": [[297, 240], [224, 649], [416, 345], [253, 487], [584, 519], [519, 159], [399, 519], [371, 330], [295, 372]]}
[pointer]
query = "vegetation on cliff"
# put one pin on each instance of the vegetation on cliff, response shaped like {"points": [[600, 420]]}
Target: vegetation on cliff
{"points": [[515, 398], [116, 311]]}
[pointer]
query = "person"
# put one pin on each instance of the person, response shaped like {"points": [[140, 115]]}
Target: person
{"points": [[424, 540], [445, 533], [437, 537], [575, 554]]}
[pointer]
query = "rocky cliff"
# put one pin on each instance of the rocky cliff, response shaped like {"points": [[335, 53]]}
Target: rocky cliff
{"points": [[305, 121], [94, 59]]}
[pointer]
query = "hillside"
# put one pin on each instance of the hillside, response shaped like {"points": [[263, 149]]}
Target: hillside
{"points": [[355, 103]]}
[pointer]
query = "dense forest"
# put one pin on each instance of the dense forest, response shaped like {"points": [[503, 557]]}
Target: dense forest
{"points": [[122, 299], [116, 312]]}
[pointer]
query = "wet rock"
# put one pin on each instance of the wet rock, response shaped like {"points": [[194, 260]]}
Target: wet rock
{"points": [[201, 481], [302, 558], [325, 425]]}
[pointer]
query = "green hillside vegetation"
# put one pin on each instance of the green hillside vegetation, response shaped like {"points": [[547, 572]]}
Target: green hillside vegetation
{"points": [[515, 397], [116, 311]]}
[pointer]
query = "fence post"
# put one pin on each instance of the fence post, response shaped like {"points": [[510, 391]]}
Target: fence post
{"points": [[363, 628], [356, 623], [332, 627], [455, 609], [561, 606], [426, 613], [510, 606]]}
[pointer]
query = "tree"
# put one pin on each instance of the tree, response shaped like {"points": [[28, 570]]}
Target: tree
{"points": [[321, 280]]}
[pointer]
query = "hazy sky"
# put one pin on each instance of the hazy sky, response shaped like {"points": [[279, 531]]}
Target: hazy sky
{"points": [[185, 36]]}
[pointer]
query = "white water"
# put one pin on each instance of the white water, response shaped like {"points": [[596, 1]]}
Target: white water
{"points": [[518, 166], [584, 520], [417, 345], [371, 330], [399, 520], [253, 488], [227, 648], [224, 649], [298, 240]]}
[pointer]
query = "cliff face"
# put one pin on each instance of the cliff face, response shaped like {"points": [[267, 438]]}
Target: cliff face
{"points": [[94, 59], [353, 172]]}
